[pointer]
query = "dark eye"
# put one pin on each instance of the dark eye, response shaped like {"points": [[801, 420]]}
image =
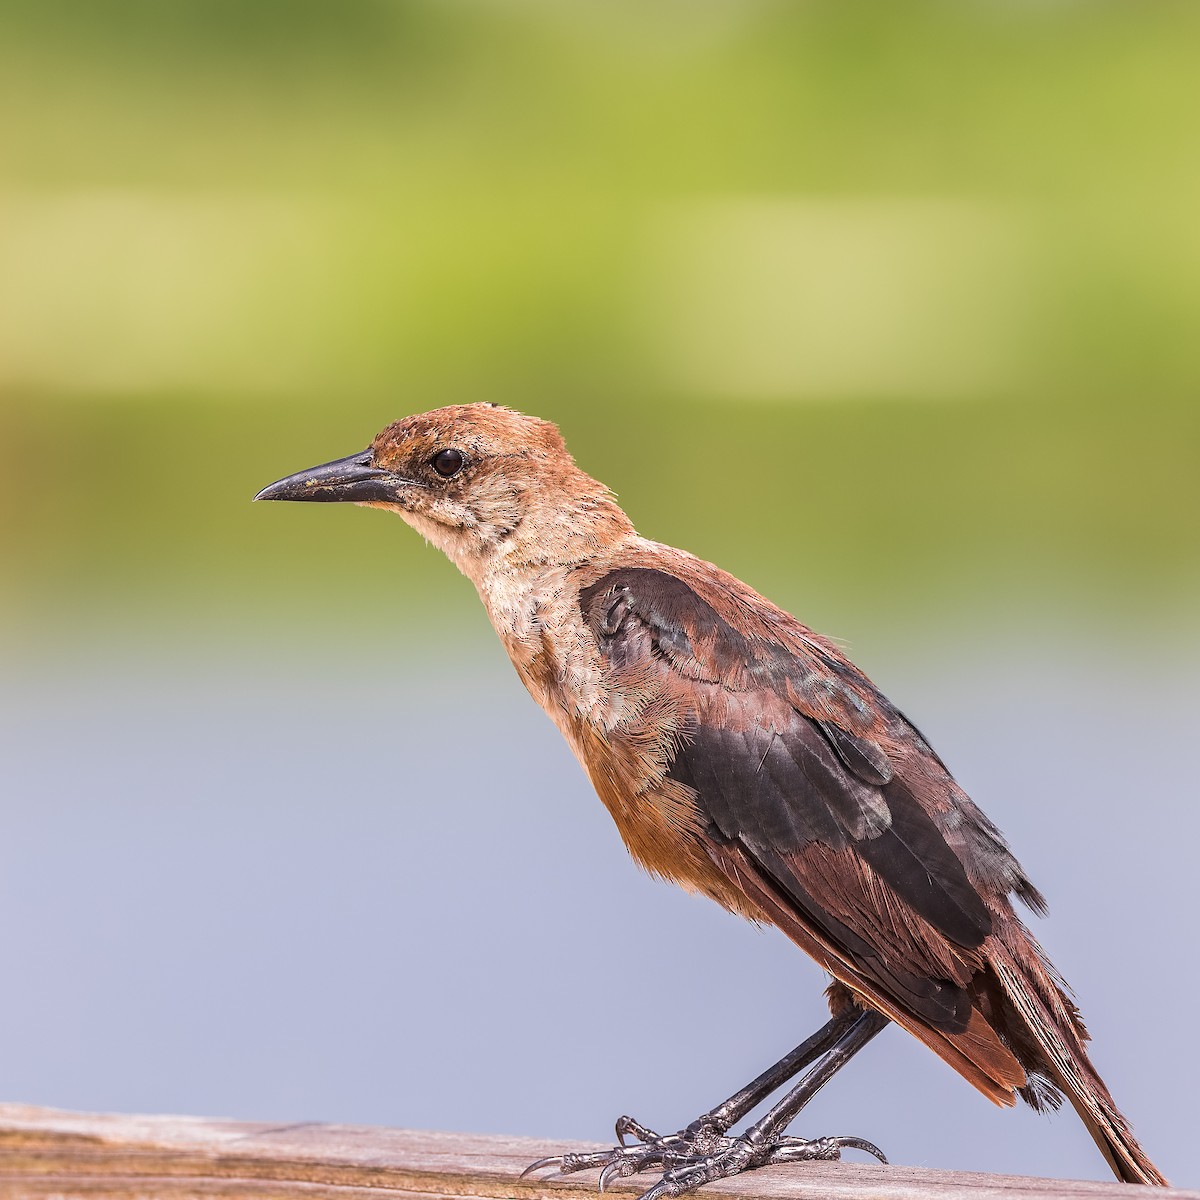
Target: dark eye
{"points": [[448, 462]]}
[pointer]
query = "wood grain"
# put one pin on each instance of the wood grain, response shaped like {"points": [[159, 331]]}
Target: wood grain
{"points": [[47, 1153]]}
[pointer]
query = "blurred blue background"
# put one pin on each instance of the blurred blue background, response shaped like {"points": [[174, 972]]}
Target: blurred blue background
{"points": [[889, 309]]}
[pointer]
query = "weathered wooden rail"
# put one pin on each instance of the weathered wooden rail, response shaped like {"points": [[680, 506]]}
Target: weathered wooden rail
{"points": [[47, 1154]]}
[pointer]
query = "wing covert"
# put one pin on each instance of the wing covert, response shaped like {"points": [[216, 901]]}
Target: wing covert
{"points": [[787, 759]]}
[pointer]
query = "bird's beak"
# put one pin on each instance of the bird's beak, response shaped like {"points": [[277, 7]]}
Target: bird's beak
{"points": [[351, 479]]}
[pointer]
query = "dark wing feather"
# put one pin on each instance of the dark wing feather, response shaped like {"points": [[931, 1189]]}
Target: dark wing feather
{"points": [[780, 754], [863, 757]]}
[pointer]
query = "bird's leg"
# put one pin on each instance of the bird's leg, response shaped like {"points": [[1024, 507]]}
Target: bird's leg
{"points": [[719, 1119], [704, 1139], [764, 1141]]}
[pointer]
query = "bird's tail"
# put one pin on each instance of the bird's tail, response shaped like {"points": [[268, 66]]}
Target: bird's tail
{"points": [[1052, 1047]]}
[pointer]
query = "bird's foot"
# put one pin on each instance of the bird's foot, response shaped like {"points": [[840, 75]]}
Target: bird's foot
{"points": [[741, 1154], [650, 1150], [695, 1156]]}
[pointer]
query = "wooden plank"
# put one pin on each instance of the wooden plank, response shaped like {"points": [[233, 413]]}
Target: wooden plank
{"points": [[46, 1153]]}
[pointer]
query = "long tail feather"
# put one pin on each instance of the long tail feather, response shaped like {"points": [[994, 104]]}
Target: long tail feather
{"points": [[1054, 1023]]}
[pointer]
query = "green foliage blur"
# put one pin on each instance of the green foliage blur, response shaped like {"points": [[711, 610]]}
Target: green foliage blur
{"points": [[890, 308]]}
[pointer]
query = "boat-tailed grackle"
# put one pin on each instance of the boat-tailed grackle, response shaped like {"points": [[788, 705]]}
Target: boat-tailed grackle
{"points": [[745, 757]]}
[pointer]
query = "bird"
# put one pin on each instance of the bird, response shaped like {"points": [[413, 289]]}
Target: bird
{"points": [[744, 757]]}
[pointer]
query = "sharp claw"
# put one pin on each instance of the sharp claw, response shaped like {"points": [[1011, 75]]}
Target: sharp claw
{"points": [[613, 1168], [825, 1149], [856, 1143], [684, 1179], [626, 1165], [658, 1191], [554, 1160], [566, 1164]]}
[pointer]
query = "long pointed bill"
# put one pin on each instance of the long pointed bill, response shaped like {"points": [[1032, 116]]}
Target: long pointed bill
{"points": [[350, 479]]}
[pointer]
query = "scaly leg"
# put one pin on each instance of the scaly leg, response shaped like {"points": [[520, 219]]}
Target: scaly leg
{"points": [[703, 1150]]}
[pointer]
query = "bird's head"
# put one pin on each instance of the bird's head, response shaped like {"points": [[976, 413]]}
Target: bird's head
{"points": [[479, 481]]}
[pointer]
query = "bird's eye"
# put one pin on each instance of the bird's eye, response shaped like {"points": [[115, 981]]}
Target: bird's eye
{"points": [[448, 462]]}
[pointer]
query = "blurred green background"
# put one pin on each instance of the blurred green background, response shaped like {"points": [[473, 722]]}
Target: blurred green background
{"points": [[890, 309], [846, 297]]}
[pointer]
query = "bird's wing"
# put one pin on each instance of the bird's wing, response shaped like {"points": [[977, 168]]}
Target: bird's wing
{"points": [[800, 769]]}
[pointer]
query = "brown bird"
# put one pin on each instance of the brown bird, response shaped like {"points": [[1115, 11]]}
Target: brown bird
{"points": [[743, 756]]}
